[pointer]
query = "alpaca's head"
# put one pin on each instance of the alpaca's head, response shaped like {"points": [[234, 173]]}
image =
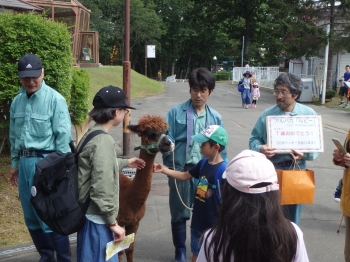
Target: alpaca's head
{"points": [[150, 129]]}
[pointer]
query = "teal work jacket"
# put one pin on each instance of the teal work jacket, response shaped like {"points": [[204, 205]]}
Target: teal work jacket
{"points": [[41, 122], [178, 128]]}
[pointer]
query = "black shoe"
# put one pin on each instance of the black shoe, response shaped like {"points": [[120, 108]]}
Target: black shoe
{"points": [[337, 194]]}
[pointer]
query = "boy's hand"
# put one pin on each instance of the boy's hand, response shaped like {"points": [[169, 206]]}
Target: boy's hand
{"points": [[158, 168], [136, 162]]}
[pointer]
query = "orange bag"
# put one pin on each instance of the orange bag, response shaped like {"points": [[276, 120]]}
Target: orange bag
{"points": [[296, 186]]}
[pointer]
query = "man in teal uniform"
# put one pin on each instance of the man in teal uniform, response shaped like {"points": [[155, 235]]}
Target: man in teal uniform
{"points": [[39, 124], [287, 88], [185, 120]]}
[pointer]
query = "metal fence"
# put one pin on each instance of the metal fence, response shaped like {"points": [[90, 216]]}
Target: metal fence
{"points": [[259, 73], [265, 76]]}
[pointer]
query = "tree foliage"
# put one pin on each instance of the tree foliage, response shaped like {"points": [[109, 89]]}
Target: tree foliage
{"points": [[107, 17], [188, 33], [79, 100]]}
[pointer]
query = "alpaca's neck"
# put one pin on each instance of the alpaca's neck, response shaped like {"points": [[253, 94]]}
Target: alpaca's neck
{"points": [[141, 184]]}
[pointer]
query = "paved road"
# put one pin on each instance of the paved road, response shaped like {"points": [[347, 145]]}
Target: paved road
{"points": [[319, 221]]}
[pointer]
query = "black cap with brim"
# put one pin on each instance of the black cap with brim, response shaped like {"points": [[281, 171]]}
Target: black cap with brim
{"points": [[110, 97], [30, 73], [29, 66]]}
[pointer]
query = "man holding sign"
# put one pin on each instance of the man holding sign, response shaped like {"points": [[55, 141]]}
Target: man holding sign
{"points": [[287, 88]]}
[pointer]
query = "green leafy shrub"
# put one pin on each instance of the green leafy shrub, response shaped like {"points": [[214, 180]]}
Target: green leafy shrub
{"points": [[330, 93], [79, 96], [22, 34], [222, 75]]}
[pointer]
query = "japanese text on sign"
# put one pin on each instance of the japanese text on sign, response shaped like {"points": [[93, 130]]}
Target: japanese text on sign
{"points": [[302, 133]]}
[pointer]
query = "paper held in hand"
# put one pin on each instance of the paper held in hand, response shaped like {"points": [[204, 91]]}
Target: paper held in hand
{"points": [[112, 249], [301, 133]]}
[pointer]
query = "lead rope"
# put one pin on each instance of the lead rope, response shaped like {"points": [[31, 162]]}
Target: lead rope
{"points": [[177, 190]]}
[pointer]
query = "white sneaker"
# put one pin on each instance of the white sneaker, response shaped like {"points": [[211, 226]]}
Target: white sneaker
{"points": [[246, 106]]}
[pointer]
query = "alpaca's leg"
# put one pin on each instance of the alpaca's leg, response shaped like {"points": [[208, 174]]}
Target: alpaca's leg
{"points": [[120, 256], [130, 251]]}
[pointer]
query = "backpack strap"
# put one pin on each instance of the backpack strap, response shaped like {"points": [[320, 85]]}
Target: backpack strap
{"points": [[89, 137], [204, 161], [217, 178]]}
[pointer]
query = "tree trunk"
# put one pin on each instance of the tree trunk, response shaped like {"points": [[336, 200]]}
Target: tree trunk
{"points": [[329, 70], [81, 130]]}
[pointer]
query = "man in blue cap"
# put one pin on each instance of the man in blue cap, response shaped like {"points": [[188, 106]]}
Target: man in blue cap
{"points": [[39, 124]]}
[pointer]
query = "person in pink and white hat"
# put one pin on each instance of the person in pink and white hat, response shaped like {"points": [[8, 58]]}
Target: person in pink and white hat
{"points": [[255, 93], [251, 225]]}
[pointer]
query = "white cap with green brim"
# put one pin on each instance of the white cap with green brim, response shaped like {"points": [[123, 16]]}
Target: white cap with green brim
{"points": [[214, 132]]}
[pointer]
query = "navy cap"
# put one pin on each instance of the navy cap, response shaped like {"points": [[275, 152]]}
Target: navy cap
{"points": [[110, 97], [29, 66]]}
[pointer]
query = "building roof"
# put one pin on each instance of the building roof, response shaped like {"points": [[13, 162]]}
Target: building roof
{"points": [[18, 5]]}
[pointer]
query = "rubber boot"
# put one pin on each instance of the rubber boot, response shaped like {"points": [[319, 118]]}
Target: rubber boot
{"points": [[43, 245], [178, 230], [62, 247]]}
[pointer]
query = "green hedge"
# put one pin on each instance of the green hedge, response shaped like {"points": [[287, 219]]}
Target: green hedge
{"points": [[80, 86], [22, 34], [222, 75]]}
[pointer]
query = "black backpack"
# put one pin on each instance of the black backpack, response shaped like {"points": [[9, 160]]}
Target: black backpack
{"points": [[55, 191]]}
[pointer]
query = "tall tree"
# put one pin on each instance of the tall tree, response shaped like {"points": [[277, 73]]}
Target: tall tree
{"points": [[107, 17]]}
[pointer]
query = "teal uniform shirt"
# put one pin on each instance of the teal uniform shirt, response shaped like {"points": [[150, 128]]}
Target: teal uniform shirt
{"points": [[40, 122]]}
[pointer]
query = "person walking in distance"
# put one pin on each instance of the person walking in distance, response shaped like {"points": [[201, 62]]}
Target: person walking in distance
{"points": [[255, 94], [185, 120], [39, 124], [247, 84], [343, 91]]}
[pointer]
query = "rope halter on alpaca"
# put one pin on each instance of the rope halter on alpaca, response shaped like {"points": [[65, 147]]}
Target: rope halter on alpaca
{"points": [[156, 145]]}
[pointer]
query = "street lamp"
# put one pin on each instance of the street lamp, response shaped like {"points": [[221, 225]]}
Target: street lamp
{"points": [[215, 59]]}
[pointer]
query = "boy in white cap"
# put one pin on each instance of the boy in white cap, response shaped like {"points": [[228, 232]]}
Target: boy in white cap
{"points": [[251, 226], [209, 171]]}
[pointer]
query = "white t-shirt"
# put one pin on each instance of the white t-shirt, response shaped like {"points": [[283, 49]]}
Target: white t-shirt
{"points": [[300, 256]]}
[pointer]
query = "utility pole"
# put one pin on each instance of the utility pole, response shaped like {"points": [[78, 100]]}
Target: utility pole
{"points": [[126, 79], [242, 51], [325, 67]]}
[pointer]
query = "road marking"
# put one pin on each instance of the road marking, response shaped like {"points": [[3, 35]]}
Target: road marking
{"points": [[21, 249]]}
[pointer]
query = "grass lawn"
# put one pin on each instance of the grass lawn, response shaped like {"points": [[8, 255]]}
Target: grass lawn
{"points": [[140, 86], [12, 227]]}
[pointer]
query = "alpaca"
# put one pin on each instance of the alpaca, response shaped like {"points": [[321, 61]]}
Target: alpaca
{"points": [[133, 193]]}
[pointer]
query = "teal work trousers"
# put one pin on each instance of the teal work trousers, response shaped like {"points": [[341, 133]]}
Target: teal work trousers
{"points": [[26, 173]]}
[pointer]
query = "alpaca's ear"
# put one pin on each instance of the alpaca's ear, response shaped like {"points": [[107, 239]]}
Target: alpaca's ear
{"points": [[133, 128]]}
